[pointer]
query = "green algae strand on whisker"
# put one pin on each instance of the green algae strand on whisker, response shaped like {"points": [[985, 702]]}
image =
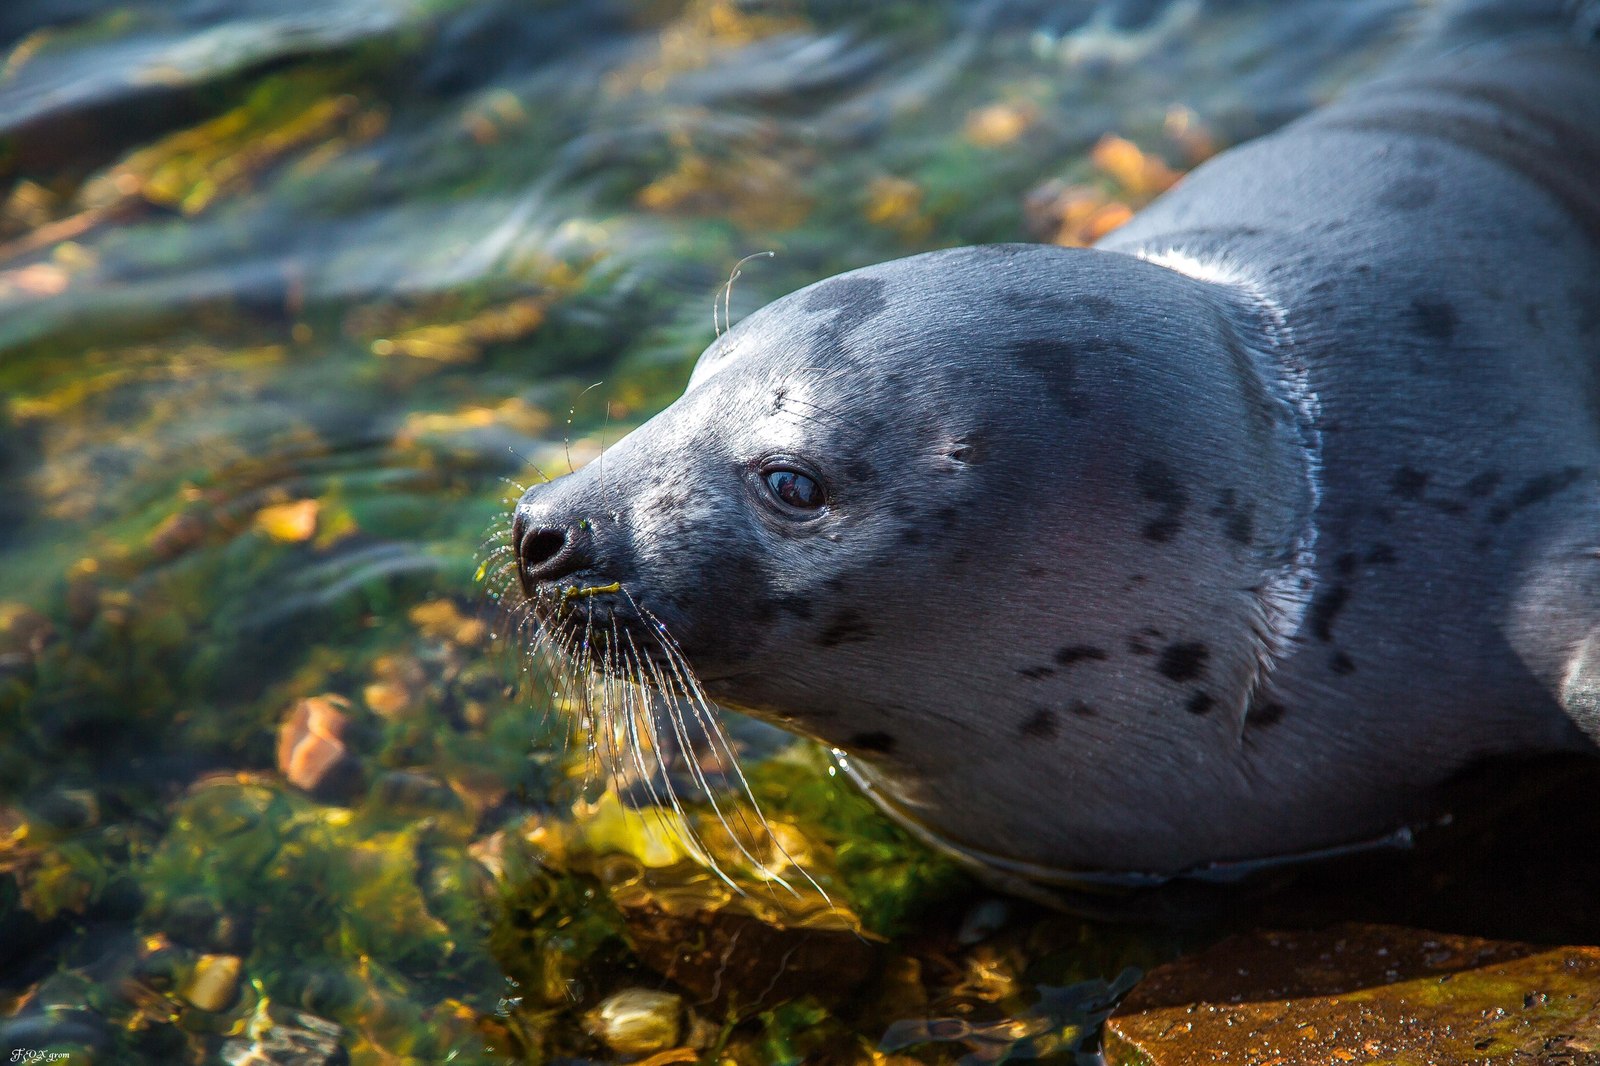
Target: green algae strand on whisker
{"points": [[590, 590]]}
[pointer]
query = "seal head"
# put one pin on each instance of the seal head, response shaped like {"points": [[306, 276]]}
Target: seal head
{"points": [[1019, 528]]}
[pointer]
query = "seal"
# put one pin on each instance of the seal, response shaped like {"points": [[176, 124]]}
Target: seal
{"points": [[1230, 539]]}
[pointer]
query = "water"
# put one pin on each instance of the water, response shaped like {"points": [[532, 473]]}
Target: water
{"points": [[293, 295]]}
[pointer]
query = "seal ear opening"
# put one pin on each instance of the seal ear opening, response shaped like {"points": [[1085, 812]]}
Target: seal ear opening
{"points": [[959, 453]]}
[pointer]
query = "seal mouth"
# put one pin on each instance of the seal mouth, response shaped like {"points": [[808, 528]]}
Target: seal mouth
{"points": [[601, 629]]}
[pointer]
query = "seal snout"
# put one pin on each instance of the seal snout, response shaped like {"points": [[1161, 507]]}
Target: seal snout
{"points": [[548, 552]]}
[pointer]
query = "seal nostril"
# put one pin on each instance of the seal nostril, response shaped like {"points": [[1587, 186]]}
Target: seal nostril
{"points": [[547, 553], [541, 546]]}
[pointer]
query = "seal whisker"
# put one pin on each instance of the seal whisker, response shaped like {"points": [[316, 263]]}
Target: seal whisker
{"points": [[672, 703], [807, 418], [829, 413], [523, 488], [593, 765], [628, 698], [711, 728], [684, 830], [631, 709], [727, 293], [714, 733], [566, 442], [679, 730], [637, 704]]}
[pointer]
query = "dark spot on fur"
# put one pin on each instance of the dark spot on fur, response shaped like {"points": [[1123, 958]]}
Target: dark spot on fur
{"points": [[948, 517], [858, 295], [1408, 484], [1381, 555], [1183, 661], [1199, 703], [1031, 301], [1238, 521], [834, 584], [1535, 490], [1095, 304], [1041, 724], [876, 743], [1434, 319], [798, 606], [1037, 673], [1083, 710], [1483, 484], [858, 470], [1342, 664], [1325, 607], [1055, 365], [1346, 564], [1241, 526], [911, 535], [1267, 712], [851, 301], [1077, 653], [1160, 485], [846, 627], [763, 612]]}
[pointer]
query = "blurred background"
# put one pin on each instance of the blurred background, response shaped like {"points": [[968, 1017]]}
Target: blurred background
{"points": [[294, 295]]}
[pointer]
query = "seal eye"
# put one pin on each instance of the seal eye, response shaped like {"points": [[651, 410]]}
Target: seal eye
{"points": [[795, 489]]}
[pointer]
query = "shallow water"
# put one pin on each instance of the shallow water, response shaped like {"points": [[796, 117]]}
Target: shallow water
{"points": [[293, 296]]}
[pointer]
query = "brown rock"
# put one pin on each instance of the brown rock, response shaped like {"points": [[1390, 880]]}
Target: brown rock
{"points": [[1363, 994], [739, 952], [312, 753]]}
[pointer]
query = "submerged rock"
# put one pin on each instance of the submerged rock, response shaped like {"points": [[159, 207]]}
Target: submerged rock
{"points": [[637, 1021], [278, 1036], [311, 750], [1363, 994], [214, 983]]}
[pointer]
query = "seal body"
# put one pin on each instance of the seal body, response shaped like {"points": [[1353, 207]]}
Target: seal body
{"points": [[1231, 538]]}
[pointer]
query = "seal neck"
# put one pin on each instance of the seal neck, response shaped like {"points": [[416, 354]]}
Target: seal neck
{"points": [[1263, 328], [1092, 892]]}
